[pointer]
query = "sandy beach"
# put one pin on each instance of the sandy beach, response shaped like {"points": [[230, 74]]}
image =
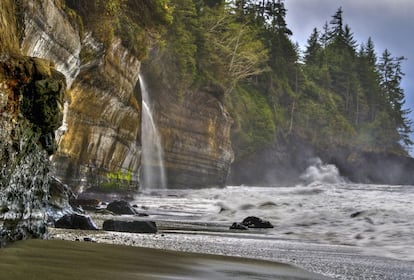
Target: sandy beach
{"points": [[331, 261], [57, 259]]}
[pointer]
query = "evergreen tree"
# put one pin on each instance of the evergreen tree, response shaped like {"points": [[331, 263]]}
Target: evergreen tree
{"points": [[313, 49], [369, 52], [369, 79], [390, 79], [324, 38], [337, 31], [349, 40]]}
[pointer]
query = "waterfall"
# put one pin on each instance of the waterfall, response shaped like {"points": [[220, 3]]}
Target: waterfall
{"points": [[152, 159]]}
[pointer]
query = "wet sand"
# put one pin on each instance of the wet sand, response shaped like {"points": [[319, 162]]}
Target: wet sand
{"points": [[58, 259], [333, 261]]}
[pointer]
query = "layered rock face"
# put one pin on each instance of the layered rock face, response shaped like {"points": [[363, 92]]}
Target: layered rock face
{"points": [[101, 130], [48, 33], [103, 118], [8, 27], [195, 134]]}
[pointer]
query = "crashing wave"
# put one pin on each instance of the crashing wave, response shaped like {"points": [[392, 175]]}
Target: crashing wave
{"points": [[319, 172]]}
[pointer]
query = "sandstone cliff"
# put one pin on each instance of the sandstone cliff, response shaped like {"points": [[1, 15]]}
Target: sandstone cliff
{"points": [[195, 131], [101, 133], [103, 118], [101, 130]]}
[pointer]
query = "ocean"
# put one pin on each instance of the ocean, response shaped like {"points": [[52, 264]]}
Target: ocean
{"points": [[323, 224], [324, 209]]}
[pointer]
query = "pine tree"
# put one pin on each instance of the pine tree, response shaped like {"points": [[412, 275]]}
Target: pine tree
{"points": [[390, 81], [337, 30], [369, 52], [349, 40], [324, 38], [369, 79], [313, 48]]}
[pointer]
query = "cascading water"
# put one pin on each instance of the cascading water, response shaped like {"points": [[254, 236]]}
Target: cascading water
{"points": [[152, 159]]}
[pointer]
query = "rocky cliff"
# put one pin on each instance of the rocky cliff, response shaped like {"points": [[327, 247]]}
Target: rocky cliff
{"points": [[31, 93], [101, 130], [101, 133], [195, 132], [31, 97]]}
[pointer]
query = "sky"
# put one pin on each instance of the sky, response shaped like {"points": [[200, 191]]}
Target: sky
{"points": [[389, 23]]}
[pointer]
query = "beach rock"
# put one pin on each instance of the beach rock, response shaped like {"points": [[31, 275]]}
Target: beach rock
{"points": [[31, 94], [88, 239], [357, 213], [255, 222], [121, 207], [60, 195], [76, 221], [130, 226], [238, 226], [86, 204]]}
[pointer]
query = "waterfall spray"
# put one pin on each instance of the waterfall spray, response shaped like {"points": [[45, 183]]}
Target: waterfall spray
{"points": [[152, 158]]}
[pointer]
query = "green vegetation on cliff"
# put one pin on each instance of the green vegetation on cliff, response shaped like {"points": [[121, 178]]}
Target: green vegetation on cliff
{"points": [[337, 93], [137, 23]]}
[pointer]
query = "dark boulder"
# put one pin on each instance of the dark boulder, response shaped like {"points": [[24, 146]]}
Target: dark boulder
{"points": [[238, 226], [76, 221], [255, 222], [130, 226], [121, 207], [357, 214]]}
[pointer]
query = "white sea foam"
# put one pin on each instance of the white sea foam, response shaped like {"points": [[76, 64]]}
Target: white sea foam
{"points": [[320, 172], [368, 216]]}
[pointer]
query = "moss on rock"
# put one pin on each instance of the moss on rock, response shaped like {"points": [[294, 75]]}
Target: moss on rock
{"points": [[36, 90]]}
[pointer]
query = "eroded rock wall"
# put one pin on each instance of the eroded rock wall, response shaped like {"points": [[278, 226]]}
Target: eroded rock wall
{"points": [[195, 134], [101, 130], [50, 33], [103, 118], [31, 94], [8, 27]]}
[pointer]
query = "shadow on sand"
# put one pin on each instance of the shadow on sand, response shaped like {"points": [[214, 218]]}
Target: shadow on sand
{"points": [[56, 259]]}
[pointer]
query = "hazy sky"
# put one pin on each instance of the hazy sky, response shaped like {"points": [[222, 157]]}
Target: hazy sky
{"points": [[390, 23]]}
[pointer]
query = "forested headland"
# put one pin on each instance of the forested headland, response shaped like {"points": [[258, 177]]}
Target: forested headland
{"points": [[334, 92]]}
